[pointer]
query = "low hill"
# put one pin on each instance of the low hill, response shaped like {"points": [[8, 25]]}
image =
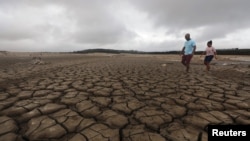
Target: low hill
{"points": [[234, 51]]}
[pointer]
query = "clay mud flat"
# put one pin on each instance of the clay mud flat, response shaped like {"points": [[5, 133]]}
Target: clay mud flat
{"points": [[119, 97]]}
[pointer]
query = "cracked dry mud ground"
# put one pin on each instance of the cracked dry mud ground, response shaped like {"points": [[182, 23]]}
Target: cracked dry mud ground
{"points": [[121, 98]]}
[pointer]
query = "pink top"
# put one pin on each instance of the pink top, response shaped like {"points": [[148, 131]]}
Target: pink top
{"points": [[210, 51]]}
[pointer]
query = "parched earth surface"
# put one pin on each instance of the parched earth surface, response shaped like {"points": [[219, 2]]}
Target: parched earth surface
{"points": [[118, 98]]}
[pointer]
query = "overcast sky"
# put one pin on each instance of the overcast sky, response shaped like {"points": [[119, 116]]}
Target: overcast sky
{"points": [[144, 25]]}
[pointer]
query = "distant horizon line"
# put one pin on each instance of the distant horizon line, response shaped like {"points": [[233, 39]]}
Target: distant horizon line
{"points": [[121, 50]]}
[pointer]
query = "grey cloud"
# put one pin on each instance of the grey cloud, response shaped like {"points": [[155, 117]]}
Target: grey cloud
{"points": [[194, 13], [179, 15], [22, 21], [15, 33], [92, 22], [163, 46], [212, 32], [52, 25], [96, 23], [102, 35]]}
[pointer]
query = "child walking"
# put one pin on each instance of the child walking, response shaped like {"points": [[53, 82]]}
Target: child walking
{"points": [[210, 53]]}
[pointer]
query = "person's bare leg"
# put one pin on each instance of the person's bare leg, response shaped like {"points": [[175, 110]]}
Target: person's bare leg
{"points": [[189, 57], [208, 67], [187, 68], [183, 61]]}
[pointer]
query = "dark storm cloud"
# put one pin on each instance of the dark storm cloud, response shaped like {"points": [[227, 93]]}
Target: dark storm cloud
{"points": [[211, 14], [69, 25]]}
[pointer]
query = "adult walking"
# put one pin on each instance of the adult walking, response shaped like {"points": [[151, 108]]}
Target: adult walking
{"points": [[188, 51]]}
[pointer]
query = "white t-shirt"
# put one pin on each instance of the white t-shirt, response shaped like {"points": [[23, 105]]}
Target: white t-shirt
{"points": [[210, 51]]}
